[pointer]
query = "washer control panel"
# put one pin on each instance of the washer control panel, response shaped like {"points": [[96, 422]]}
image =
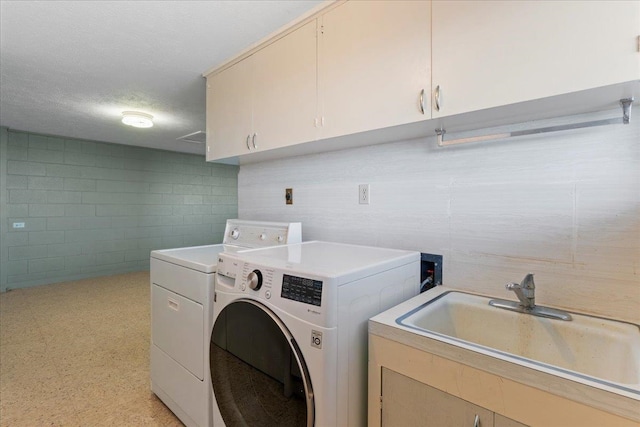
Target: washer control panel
{"points": [[301, 289], [305, 296]]}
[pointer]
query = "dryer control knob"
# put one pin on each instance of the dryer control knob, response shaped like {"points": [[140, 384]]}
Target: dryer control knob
{"points": [[235, 233], [263, 236], [255, 280], [280, 238]]}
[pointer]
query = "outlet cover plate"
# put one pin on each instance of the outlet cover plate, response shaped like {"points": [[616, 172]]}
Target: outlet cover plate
{"points": [[364, 194]]}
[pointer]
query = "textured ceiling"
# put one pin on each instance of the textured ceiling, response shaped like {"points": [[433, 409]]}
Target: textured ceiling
{"points": [[70, 68]]}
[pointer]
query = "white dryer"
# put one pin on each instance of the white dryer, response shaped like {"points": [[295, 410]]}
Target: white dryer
{"points": [[182, 294], [289, 341]]}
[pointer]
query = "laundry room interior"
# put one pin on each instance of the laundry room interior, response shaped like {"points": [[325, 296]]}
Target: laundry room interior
{"points": [[275, 225]]}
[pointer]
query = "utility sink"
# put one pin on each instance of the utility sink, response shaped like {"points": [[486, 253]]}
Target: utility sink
{"points": [[599, 350]]}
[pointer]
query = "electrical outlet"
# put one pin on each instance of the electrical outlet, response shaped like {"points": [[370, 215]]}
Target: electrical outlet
{"points": [[364, 194], [288, 196]]}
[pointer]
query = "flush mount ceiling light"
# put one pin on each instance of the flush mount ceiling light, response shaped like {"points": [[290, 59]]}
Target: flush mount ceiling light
{"points": [[137, 119]]}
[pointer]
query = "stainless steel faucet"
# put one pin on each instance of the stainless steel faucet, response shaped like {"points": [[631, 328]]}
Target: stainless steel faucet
{"points": [[525, 291]]}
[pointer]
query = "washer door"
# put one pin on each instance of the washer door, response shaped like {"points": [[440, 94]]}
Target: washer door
{"points": [[258, 374]]}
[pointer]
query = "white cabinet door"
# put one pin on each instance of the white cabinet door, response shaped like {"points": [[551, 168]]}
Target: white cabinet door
{"points": [[229, 111], [493, 53], [285, 102], [374, 62], [408, 403]]}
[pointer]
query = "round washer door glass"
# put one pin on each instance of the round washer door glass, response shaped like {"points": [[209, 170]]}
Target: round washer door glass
{"points": [[258, 374]]}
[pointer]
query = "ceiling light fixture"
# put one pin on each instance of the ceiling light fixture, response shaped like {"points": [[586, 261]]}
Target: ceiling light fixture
{"points": [[137, 119]]}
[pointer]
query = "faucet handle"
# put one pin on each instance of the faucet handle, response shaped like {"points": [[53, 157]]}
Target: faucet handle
{"points": [[527, 282]]}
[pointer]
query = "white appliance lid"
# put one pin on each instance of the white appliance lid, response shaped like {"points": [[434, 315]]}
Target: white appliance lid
{"points": [[337, 260], [239, 235], [201, 258]]}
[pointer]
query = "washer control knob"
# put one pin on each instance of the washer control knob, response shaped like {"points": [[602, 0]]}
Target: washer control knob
{"points": [[235, 233], [280, 238], [254, 279], [267, 294], [263, 236]]}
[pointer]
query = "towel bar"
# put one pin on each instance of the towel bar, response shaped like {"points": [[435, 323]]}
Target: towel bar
{"points": [[626, 113]]}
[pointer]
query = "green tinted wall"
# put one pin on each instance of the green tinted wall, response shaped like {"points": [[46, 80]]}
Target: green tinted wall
{"points": [[92, 209]]}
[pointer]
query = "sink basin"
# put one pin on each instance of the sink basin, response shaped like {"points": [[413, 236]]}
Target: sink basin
{"points": [[591, 348]]}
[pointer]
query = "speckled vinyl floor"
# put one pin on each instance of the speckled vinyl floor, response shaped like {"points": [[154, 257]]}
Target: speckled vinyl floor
{"points": [[77, 354]]}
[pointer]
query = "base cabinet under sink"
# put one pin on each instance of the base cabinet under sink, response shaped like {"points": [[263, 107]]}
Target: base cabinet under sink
{"points": [[407, 402], [409, 385]]}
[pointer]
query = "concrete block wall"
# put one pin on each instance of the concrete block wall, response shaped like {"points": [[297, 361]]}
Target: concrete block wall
{"points": [[92, 208]]}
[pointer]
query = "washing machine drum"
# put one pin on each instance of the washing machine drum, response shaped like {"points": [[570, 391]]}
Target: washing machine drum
{"points": [[258, 374]]}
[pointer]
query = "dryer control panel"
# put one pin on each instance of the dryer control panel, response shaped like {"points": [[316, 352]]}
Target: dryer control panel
{"points": [[254, 234]]}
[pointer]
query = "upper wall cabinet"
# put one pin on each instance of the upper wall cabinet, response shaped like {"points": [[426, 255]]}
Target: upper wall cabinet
{"points": [[375, 65], [229, 111], [267, 100], [361, 66], [494, 53]]}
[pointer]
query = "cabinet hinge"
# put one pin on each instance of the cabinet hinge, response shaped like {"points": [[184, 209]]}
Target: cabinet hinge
{"points": [[638, 43], [381, 403], [321, 29]]}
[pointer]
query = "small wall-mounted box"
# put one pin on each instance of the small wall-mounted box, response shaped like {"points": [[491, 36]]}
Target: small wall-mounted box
{"points": [[430, 271]]}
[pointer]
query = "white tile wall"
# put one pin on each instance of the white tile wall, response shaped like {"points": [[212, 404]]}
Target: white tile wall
{"points": [[565, 206]]}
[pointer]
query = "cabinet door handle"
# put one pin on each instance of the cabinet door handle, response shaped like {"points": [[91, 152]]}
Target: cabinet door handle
{"points": [[253, 140], [476, 421], [422, 101], [438, 98], [248, 138]]}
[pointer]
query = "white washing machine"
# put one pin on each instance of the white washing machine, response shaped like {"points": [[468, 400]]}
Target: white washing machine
{"points": [[289, 341], [182, 294]]}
